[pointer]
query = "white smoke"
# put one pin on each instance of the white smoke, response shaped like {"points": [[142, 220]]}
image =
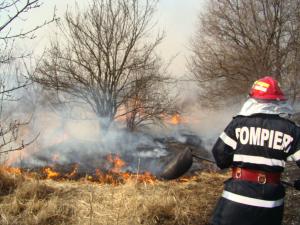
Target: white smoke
{"points": [[72, 131], [71, 134]]}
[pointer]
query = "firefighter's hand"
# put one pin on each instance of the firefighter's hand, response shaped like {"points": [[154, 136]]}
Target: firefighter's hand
{"points": [[297, 184]]}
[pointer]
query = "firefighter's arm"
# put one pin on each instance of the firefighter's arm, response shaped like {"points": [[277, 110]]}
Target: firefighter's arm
{"points": [[224, 147], [294, 155]]}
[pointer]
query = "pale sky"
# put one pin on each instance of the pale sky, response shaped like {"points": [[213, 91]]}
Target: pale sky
{"points": [[176, 17]]}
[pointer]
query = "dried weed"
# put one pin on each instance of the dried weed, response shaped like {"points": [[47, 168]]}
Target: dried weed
{"points": [[36, 202]]}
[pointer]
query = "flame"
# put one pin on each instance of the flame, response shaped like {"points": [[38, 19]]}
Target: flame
{"points": [[113, 175], [73, 173], [100, 177], [146, 177], [105, 178], [176, 119], [51, 174], [12, 170], [121, 178], [117, 163], [188, 179]]}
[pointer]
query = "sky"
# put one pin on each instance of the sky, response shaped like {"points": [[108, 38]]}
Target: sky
{"points": [[177, 18]]}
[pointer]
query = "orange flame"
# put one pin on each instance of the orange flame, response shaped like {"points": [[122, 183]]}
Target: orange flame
{"points": [[73, 172], [176, 119], [147, 177], [113, 176], [51, 174], [117, 163], [108, 178], [12, 170], [121, 178]]}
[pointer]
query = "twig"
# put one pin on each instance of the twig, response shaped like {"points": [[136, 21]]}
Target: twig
{"points": [[22, 146]]}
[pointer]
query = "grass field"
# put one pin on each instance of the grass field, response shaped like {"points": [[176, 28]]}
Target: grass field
{"points": [[30, 201]]}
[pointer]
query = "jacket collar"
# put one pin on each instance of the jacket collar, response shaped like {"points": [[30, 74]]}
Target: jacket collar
{"points": [[254, 106]]}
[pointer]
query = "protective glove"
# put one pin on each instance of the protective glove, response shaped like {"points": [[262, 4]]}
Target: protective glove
{"points": [[297, 184]]}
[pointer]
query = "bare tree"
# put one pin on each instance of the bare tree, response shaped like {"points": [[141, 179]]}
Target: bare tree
{"points": [[239, 41], [148, 101], [13, 12], [100, 52]]}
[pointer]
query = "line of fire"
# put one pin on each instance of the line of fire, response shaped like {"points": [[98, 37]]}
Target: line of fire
{"points": [[137, 157]]}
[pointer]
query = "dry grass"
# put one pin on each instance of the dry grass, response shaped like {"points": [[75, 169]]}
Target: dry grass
{"points": [[34, 202], [31, 202]]}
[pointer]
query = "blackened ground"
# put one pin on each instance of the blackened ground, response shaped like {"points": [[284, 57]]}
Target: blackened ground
{"points": [[151, 156]]}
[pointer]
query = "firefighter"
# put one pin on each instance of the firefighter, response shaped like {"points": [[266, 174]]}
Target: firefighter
{"points": [[256, 144]]}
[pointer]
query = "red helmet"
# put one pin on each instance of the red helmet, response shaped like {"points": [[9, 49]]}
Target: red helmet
{"points": [[267, 88]]}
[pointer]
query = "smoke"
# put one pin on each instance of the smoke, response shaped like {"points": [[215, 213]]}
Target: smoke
{"points": [[209, 124], [71, 133], [206, 122]]}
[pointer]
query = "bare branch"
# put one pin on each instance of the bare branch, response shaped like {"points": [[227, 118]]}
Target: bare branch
{"points": [[106, 51], [240, 41], [22, 146], [11, 81]]}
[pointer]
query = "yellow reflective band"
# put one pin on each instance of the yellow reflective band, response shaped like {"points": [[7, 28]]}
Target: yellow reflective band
{"points": [[263, 84], [260, 88]]}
